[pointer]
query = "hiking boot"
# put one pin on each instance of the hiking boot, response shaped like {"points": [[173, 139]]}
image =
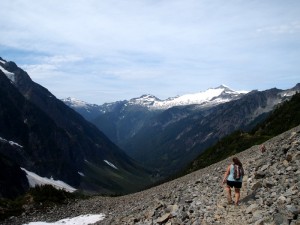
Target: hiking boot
{"points": [[230, 202]]}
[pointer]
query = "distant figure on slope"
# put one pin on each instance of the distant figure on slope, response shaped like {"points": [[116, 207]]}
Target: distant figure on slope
{"points": [[262, 148], [233, 177]]}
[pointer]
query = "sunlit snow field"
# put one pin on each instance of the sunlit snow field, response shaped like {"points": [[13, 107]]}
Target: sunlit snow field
{"points": [[79, 220]]}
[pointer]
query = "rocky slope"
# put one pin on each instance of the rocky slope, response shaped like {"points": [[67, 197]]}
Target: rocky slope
{"points": [[270, 194]]}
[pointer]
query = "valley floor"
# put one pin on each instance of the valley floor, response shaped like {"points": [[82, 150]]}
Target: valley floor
{"points": [[270, 194]]}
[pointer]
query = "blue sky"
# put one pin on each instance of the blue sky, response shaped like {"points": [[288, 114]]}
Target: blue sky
{"points": [[109, 50]]}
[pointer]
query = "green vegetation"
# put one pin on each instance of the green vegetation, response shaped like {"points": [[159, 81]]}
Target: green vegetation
{"points": [[10, 208], [48, 195], [283, 118], [39, 197]]}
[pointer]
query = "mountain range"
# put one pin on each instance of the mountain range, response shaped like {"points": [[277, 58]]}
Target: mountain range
{"points": [[210, 97], [40, 134], [165, 135], [117, 147]]}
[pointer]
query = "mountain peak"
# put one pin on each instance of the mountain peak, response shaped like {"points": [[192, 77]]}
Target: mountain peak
{"points": [[211, 96], [70, 99], [74, 102], [145, 100], [148, 96], [2, 60], [222, 86]]}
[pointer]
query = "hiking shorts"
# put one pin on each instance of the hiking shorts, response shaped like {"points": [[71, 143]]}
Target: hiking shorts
{"points": [[234, 184]]}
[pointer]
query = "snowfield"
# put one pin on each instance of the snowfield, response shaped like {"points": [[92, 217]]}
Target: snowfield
{"points": [[110, 164], [10, 75], [79, 220], [35, 180]]}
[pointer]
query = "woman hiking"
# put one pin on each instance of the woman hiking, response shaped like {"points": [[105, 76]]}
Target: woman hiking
{"points": [[233, 177]]}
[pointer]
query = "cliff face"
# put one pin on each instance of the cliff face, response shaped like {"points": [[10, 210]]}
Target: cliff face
{"points": [[270, 194]]}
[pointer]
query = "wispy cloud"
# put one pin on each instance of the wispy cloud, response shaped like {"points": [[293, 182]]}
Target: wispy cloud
{"points": [[290, 28]]}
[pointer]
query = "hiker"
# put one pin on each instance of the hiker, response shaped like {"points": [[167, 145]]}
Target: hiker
{"points": [[233, 177], [262, 148]]}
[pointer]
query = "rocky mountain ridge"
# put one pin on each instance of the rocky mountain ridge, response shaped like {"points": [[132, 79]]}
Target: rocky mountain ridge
{"points": [[207, 98], [270, 194]]}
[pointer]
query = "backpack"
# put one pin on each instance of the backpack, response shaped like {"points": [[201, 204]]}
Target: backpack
{"points": [[238, 172]]}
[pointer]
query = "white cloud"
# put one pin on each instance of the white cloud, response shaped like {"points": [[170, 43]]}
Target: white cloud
{"points": [[62, 59], [46, 67], [290, 28], [41, 70]]}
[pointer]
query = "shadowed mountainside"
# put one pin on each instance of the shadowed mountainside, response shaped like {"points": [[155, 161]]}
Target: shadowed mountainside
{"points": [[53, 140]]}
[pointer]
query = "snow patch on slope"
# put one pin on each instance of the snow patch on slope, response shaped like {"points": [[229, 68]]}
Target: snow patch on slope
{"points": [[79, 220], [12, 143], [36, 180], [81, 174], [75, 102], [9, 75], [110, 164]]}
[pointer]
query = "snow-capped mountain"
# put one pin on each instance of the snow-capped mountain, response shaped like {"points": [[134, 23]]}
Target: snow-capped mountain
{"points": [[210, 97], [73, 102], [89, 111]]}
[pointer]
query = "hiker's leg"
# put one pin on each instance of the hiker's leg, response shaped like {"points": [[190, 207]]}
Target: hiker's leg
{"points": [[228, 190], [237, 195]]}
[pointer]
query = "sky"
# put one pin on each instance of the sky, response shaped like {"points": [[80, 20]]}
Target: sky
{"points": [[110, 50]]}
